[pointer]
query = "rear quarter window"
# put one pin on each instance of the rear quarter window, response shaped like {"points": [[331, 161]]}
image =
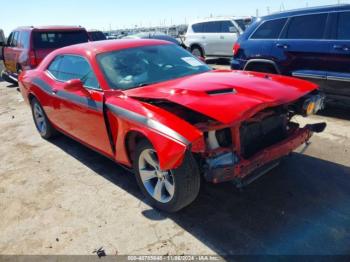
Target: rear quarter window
{"points": [[343, 29], [269, 29], [307, 27], [57, 39]]}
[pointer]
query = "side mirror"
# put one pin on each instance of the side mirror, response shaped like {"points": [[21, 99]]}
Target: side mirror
{"points": [[76, 85]]}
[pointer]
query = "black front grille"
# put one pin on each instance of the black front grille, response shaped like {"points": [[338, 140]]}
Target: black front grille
{"points": [[256, 136]]}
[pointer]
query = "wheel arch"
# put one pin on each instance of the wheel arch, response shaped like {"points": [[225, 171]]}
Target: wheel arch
{"points": [[170, 152], [254, 62], [132, 138]]}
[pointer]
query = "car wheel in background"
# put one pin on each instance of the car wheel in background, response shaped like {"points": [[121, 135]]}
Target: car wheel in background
{"points": [[8, 79], [169, 190], [197, 51], [43, 125]]}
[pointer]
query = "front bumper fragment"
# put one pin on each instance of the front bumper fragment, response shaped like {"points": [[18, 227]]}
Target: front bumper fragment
{"points": [[228, 166]]}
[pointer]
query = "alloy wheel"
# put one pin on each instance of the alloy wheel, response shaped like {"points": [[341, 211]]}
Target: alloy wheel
{"points": [[39, 118], [159, 184]]}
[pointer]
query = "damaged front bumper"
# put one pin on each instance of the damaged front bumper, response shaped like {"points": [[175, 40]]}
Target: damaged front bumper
{"points": [[228, 166]]}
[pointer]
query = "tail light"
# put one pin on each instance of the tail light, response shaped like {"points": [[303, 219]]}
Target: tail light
{"points": [[32, 59], [236, 47]]}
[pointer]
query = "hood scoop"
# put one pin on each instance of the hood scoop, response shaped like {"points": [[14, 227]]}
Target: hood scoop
{"points": [[223, 91]]}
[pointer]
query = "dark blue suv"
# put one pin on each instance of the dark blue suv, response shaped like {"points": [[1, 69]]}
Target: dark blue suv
{"points": [[312, 43]]}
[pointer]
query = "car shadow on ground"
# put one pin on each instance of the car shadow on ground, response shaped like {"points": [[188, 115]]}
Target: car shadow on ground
{"points": [[301, 207]]}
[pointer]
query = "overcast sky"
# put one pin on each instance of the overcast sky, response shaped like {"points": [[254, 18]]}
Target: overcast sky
{"points": [[114, 14]]}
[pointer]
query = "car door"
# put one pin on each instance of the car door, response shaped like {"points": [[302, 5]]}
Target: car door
{"points": [[302, 49], [227, 38], [262, 41], [338, 73], [80, 114], [211, 38], [10, 52]]}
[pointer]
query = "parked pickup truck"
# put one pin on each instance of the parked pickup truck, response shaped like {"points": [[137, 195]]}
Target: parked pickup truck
{"points": [[26, 47]]}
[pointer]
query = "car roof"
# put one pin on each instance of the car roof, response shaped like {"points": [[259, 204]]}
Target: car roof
{"points": [[308, 10], [219, 18], [52, 27], [98, 47]]}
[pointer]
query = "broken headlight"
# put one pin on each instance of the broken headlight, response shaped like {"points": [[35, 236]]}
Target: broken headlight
{"points": [[313, 104], [219, 138]]}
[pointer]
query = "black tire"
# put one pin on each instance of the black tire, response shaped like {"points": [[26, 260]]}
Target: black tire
{"points": [[6, 78], [197, 51], [49, 131], [186, 180]]}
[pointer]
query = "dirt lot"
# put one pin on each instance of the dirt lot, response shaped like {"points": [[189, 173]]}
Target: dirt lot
{"points": [[59, 197]]}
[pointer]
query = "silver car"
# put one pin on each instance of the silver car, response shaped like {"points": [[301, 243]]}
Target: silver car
{"points": [[215, 36]]}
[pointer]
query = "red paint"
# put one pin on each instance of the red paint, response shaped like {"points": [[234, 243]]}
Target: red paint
{"points": [[252, 92]]}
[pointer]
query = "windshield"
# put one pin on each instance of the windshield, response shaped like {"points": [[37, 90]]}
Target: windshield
{"points": [[136, 67], [57, 39]]}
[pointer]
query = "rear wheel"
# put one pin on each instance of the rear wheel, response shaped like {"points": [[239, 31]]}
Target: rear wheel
{"points": [[197, 51], [43, 125], [168, 190]]}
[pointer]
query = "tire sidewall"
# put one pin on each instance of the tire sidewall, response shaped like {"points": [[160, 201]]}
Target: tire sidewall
{"points": [[47, 133], [199, 49]]}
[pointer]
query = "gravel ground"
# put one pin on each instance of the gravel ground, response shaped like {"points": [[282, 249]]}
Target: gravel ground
{"points": [[59, 197]]}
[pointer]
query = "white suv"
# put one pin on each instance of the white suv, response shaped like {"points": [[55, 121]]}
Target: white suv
{"points": [[215, 36]]}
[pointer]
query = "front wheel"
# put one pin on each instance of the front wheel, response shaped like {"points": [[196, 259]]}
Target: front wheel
{"points": [[42, 123], [167, 190], [8, 79]]}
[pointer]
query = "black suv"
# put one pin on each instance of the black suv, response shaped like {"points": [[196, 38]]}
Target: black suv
{"points": [[312, 43]]}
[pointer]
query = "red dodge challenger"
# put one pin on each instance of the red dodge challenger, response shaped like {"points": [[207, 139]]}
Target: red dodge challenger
{"points": [[154, 108]]}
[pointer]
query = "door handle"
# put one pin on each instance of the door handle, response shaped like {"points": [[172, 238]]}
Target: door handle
{"points": [[54, 91], [284, 46], [222, 37], [203, 37]]}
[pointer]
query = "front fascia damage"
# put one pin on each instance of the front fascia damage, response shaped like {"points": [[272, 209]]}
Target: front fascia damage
{"points": [[163, 129], [258, 140], [233, 151], [223, 151]]}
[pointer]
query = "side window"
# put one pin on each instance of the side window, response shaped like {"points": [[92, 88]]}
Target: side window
{"points": [[307, 27], [54, 66], [9, 40], [227, 27], [14, 41], [269, 29], [75, 67], [343, 30], [197, 28], [212, 27], [24, 39]]}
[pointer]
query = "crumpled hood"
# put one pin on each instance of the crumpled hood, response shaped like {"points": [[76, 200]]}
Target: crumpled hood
{"points": [[227, 96]]}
